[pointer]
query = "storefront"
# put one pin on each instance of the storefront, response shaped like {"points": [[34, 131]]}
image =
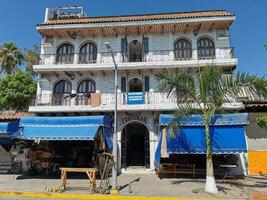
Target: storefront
{"points": [[65, 141], [186, 146]]}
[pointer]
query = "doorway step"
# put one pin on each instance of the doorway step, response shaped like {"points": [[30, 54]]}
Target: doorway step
{"points": [[137, 170], [5, 167]]}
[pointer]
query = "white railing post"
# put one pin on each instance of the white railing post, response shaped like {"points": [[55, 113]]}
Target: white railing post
{"points": [[76, 58], [194, 54]]}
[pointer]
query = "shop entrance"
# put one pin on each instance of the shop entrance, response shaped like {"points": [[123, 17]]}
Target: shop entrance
{"points": [[135, 145]]}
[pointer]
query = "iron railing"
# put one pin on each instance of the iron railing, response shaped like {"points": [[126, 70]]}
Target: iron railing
{"points": [[151, 56]]}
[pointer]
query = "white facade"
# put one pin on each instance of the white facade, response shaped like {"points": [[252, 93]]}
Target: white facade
{"points": [[159, 56]]}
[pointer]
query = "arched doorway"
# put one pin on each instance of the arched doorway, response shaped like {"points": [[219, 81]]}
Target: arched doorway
{"points": [[135, 85], [135, 150], [135, 51]]}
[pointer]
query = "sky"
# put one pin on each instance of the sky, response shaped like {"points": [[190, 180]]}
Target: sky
{"points": [[248, 33]]}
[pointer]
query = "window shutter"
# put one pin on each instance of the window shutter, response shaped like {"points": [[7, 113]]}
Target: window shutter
{"points": [[146, 44], [123, 45], [123, 84], [147, 84]]}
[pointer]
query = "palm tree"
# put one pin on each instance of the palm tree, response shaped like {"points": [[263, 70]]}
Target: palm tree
{"points": [[31, 58], [206, 94], [10, 58]]}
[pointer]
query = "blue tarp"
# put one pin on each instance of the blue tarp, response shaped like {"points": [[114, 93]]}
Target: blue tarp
{"points": [[8, 132], [63, 128], [9, 128], [227, 134]]}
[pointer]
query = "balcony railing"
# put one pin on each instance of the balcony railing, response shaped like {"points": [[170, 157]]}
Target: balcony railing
{"points": [[104, 99], [151, 56]]}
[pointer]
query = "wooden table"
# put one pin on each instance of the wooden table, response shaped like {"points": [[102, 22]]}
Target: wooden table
{"points": [[91, 173], [228, 171]]}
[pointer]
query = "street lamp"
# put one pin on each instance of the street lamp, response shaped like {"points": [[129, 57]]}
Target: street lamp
{"points": [[115, 138]]}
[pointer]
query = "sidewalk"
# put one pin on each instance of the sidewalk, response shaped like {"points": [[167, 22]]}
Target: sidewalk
{"points": [[142, 186]]}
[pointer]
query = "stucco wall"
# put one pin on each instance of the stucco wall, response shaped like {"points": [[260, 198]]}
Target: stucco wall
{"points": [[156, 41], [256, 136]]}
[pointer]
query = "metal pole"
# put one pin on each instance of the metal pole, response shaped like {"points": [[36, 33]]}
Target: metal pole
{"points": [[115, 137]]}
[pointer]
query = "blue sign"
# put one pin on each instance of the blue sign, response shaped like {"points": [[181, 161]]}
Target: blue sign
{"points": [[135, 98]]}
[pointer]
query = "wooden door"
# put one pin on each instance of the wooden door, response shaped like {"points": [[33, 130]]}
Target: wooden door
{"points": [[147, 150], [123, 149]]}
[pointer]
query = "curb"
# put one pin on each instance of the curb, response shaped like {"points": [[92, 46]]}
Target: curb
{"points": [[82, 196]]}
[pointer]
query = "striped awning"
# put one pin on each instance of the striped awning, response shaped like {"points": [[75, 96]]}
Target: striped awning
{"points": [[64, 128], [227, 134]]}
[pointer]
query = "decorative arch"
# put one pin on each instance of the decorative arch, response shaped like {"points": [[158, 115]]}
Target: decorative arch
{"points": [[183, 48], [65, 53], [137, 121], [135, 84], [206, 47], [86, 85], [62, 86], [88, 52]]}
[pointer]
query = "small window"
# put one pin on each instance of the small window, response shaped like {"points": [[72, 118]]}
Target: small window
{"points": [[183, 49], [88, 53], [65, 54], [205, 48]]}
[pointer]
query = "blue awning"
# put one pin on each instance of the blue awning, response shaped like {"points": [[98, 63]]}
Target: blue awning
{"points": [[63, 128], [227, 134], [108, 137]]}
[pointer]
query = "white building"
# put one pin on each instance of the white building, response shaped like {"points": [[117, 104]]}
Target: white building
{"points": [[76, 72]]}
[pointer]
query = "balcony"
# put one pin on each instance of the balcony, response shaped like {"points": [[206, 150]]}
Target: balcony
{"points": [[97, 99], [104, 102], [151, 56]]}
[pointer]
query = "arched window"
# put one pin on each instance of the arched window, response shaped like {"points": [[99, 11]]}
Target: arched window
{"points": [[88, 53], [62, 93], [183, 49], [84, 90], [205, 48], [65, 54]]}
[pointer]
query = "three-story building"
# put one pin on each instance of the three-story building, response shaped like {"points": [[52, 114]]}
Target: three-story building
{"points": [[76, 71]]}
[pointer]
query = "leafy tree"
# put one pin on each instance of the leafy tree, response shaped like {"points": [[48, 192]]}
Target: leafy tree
{"points": [[16, 91], [10, 58], [206, 94], [262, 121], [31, 58]]}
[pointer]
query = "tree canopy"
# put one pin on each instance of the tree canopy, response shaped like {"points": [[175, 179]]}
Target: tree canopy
{"points": [[17, 91], [31, 57], [262, 121], [10, 58]]}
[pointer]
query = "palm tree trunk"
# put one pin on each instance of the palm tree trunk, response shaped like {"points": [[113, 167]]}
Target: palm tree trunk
{"points": [[210, 180]]}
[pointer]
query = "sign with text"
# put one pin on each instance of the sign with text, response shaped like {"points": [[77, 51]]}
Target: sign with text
{"points": [[135, 98]]}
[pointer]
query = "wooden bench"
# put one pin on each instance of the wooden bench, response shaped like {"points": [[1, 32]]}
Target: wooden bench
{"points": [[91, 173], [169, 168]]}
